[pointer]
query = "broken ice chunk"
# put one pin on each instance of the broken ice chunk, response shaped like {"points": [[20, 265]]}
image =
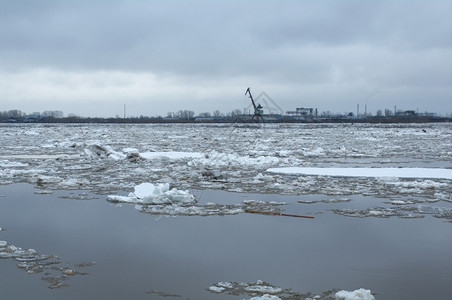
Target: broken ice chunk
{"points": [[361, 294], [148, 193]]}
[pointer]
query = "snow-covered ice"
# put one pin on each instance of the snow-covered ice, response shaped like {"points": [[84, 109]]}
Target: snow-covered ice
{"points": [[264, 289], [361, 294], [266, 297], [170, 155], [381, 160], [402, 210], [160, 200], [368, 172], [148, 193], [260, 290]]}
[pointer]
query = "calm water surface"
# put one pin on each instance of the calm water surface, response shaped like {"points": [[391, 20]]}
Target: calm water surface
{"points": [[135, 253]]}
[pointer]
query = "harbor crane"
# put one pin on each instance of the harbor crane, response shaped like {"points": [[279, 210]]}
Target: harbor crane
{"points": [[258, 109]]}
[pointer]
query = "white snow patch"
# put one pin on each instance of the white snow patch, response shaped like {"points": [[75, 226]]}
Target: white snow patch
{"points": [[375, 213], [266, 297], [225, 284], [44, 179], [368, 172], [41, 156], [190, 210], [130, 150], [316, 152], [263, 289], [218, 160], [400, 202], [99, 150], [9, 164], [170, 155], [259, 177], [361, 294], [434, 210], [426, 184], [74, 182], [31, 132], [442, 196], [216, 289]]}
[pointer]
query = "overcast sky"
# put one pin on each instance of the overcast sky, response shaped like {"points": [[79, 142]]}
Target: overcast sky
{"points": [[92, 57]]}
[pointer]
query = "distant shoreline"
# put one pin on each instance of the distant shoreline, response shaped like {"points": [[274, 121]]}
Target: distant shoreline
{"points": [[241, 119]]}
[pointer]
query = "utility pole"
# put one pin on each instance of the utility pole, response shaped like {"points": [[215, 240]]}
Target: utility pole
{"points": [[124, 111]]}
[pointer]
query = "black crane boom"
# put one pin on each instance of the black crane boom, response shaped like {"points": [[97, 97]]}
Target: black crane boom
{"points": [[248, 91]]}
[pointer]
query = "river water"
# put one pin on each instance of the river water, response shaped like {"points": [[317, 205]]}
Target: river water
{"points": [[119, 252]]}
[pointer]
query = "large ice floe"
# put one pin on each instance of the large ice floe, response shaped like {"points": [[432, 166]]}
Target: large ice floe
{"points": [[148, 193], [159, 199], [400, 209], [368, 172], [361, 294], [261, 290]]}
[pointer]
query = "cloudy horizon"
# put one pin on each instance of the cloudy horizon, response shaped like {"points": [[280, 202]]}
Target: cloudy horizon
{"points": [[89, 58]]}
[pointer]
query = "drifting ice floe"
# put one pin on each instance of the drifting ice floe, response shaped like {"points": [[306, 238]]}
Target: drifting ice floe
{"points": [[170, 155], [368, 172], [261, 290], [147, 193], [98, 150], [101, 151], [360, 294], [221, 160], [32, 262], [160, 200], [266, 297], [400, 211], [258, 288], [7, 164]]}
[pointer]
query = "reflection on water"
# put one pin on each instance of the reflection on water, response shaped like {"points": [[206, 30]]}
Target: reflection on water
{"points": [[142, 256]]}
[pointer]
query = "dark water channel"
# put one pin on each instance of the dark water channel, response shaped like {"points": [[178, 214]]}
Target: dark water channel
{"points": [[140, 256]]}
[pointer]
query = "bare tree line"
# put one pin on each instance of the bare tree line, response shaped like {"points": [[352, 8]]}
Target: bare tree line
{"points": [[20, 115], [16, 115]]}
